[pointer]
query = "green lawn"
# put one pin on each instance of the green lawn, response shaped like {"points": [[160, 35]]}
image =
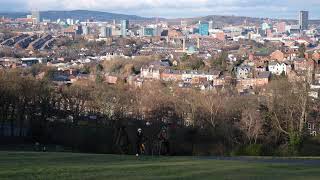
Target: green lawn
{"points": [[26, 165]]}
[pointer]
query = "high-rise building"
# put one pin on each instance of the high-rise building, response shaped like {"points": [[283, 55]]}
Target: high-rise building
{"points": [[304, 20], [85, 30], [210, 25], [204, 28], [124, 27], [70, 21], [109, 31], [78, 29], [36, 17], [158, 31], [105, 31]]}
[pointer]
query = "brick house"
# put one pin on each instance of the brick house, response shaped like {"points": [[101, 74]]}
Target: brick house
{"points": [[290, 53], [302, 64], [261, 79], [171, 75]]}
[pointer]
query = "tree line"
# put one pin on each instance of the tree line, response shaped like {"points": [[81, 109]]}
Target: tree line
{"points": [[86, 116]]}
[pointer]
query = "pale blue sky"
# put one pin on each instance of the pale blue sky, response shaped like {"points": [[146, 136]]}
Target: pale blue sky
{"points": [[175, 8]]}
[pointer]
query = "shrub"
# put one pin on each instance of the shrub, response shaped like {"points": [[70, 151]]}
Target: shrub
{"points": [[249, 150]]}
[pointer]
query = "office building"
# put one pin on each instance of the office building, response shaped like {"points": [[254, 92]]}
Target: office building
{"points": [[70, 22], [210, 25], [78, 30], [105, 31], [36, 17], [147, 31], [158, 31], [204, 28], [109, 32], [124, 27], [304, 20], [85, 30]]}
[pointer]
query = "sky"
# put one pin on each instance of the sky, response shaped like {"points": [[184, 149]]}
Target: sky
{"points": [[174, 8]]}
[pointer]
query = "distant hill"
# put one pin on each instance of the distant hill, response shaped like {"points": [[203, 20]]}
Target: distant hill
{"points": [[77, 14], [220, 20], [84, 15], [13, 14]]}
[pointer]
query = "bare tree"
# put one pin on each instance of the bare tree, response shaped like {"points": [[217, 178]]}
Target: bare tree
{"points": [[288, 108], [251, 124]]}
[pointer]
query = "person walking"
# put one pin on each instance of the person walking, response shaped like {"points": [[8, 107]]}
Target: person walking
{"points": [[140, 142]]}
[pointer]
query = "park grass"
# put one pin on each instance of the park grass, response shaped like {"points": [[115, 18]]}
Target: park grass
{"points": [[47, 166]]}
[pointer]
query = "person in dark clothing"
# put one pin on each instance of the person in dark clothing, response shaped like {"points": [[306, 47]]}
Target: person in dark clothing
{"points": [[164, 141], [122, 140], [140, 142]]}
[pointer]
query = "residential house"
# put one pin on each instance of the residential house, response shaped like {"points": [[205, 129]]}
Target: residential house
{"points": [[247, 83], [243, 72], [277, 68], [196, 76], [171, 75], [260, 69], [262, 78], [219, 82], [150, 72], [302, 64], [313, 125], [291, 52], [259, 56]]}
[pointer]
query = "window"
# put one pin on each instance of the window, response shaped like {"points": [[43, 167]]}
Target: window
{"points": [[309, 125], [313, 133]]}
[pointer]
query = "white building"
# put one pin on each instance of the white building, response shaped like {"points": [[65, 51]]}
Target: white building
{"points": [[150, 73], [243, 72], [277, 68]]}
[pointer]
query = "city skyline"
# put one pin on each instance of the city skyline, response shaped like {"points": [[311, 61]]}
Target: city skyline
{"points": [[174, 9]]}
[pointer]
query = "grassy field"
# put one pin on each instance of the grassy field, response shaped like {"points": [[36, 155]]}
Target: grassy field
{"points": [[46, 166]]}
